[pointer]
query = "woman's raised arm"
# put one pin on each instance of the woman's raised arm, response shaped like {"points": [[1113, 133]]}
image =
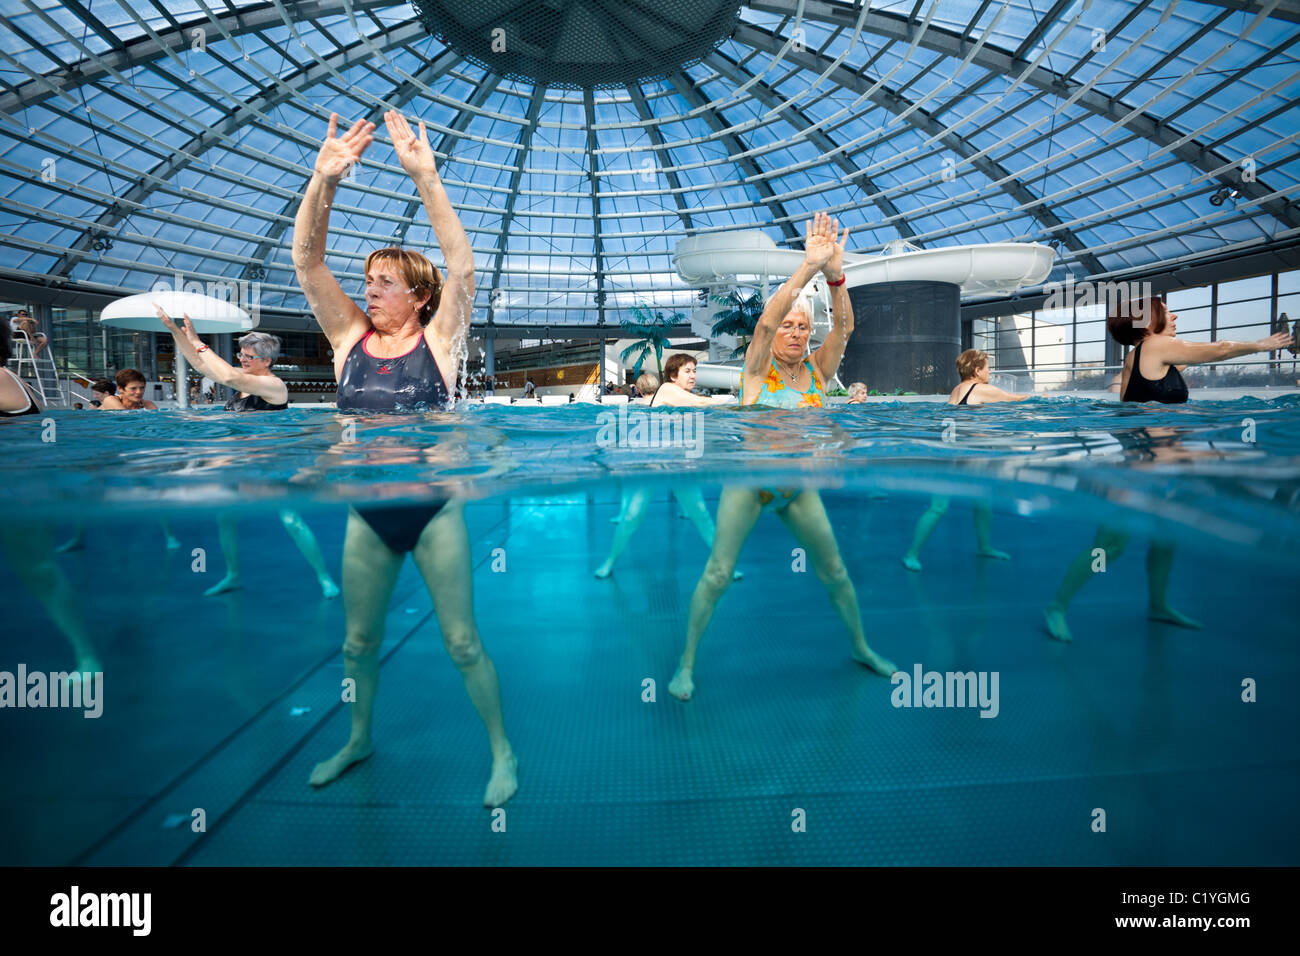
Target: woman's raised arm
{"points": [[338, 315], [416, 155], [819, 246]]}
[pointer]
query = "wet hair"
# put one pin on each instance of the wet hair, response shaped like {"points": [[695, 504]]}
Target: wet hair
{"points": [[4, 344], [261, 344], [419, 274], [1122, 322], [970, 362], [674, 365], [647, 384], [105, 386], [129, 376]]}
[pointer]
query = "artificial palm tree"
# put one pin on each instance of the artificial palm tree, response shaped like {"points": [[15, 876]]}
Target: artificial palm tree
{"points": [[740, 318], [651, 331]]}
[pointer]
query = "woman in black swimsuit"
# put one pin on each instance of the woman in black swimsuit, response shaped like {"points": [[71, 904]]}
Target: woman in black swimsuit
{"points": [[1152, 373], [258, 390], [398, 355], [973, 368]]}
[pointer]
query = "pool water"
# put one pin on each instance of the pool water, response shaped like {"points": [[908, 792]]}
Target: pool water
{"points": [[1180, 741]]}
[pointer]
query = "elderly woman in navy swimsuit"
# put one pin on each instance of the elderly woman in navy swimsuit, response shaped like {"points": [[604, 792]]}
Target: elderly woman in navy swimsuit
{"points": [[398, 355]]}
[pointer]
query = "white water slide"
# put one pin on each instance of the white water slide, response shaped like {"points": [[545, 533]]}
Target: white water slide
{"points": [[996, 268]]}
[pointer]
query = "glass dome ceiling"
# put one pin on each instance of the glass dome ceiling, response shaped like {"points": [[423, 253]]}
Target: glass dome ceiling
{"points": [[141, 139]]}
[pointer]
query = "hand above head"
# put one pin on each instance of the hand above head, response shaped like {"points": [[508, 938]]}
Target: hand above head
{"points": [[415, 153], [834, 268], [338, 153], [170, 324], [819, 245]]}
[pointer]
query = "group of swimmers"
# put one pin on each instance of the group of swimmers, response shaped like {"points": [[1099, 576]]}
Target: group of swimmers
{"points": [[400, 353]]}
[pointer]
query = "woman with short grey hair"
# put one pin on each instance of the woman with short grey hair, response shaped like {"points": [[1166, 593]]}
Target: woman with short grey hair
{"points": [[258, 391], [264, 345]]}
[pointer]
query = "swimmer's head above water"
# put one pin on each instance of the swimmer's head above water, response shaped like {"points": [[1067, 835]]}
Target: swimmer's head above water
{"points": [[400, 283], [1130, 321], [130, 386], [973, 364], [258, 351], [790, 344], [680, 370]]}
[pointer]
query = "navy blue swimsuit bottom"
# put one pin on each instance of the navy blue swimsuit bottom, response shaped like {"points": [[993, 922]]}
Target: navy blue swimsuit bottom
{"points": [[400, 526]]}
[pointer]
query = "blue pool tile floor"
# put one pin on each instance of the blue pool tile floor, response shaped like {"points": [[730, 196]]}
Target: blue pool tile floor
{"points": [[224, 705]]}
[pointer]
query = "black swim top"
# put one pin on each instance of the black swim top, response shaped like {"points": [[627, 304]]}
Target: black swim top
{"points": [[967, 395], [33, 400], [1170, 390], [253, 403], [410, 382]]}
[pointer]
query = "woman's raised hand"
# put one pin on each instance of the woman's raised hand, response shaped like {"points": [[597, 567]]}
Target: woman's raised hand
{"points": [[1276, 342], [414, 152], [167, 321], [170, 324], [819, 245], [189, 331], [834, 268], [338, 153]]}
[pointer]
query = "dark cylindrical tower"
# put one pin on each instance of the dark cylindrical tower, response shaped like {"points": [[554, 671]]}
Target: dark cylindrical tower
{"points": [[906, 335]]}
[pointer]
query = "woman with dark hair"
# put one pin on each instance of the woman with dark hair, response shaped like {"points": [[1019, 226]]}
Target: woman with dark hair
{"points": [[16, 396], [1152, 371], [130, 393], [101, 389], [398, 355], [676, 391]]}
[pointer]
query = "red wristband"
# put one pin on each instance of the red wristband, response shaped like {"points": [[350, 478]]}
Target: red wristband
{"points": [[841, 282]]}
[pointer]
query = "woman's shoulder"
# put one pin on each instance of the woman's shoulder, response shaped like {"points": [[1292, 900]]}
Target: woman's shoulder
{"points": [[11, 386]]}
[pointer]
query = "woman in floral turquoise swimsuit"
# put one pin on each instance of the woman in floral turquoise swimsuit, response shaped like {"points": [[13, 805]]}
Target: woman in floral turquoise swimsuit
{"points": [[778, 373]]}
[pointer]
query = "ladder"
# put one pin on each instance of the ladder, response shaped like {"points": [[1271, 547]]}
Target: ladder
{"points": [[44, 376]]}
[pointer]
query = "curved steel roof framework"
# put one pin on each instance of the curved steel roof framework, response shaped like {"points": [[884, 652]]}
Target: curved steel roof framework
{"points": [[140, 139]]}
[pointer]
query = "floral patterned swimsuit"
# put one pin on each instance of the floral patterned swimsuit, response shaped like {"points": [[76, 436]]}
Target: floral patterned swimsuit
{"points": [[776, 394]]}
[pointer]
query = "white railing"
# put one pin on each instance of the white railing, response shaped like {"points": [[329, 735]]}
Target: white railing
{"points": [[45, 380]]}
